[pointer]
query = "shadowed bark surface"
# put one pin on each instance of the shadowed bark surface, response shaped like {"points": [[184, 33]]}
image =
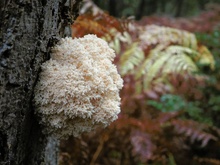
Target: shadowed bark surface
{"points": [[27, 31]]}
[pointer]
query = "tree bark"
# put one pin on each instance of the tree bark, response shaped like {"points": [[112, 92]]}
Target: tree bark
{"points": [[28, 28]]}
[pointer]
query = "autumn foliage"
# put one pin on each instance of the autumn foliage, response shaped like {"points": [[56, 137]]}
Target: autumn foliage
{"points": [[169, 111]]}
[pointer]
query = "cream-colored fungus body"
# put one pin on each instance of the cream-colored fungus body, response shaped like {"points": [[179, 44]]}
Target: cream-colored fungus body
{"points": [[78, 88]]}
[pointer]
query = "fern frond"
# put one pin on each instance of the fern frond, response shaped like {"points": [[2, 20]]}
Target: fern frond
{"points": [[115, 38], [153, 34], [132, 57], [173, 59], [178, 49], [181, 59], [205, 58], [143, 145], [116, 45], [195, 131], [98, 24], [152, 57], [154, 69]]}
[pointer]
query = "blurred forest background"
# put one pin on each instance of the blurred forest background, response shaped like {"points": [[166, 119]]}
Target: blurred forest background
{"points": [[168, 53], [140, 8]]}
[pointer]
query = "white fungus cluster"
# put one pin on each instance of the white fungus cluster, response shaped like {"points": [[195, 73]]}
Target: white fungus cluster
{"points": [[78, 88]]}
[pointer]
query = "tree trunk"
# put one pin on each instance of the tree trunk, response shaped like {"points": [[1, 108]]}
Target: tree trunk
{"points": [[179, 7], [28, 28], [140, 10], [112, 8]]}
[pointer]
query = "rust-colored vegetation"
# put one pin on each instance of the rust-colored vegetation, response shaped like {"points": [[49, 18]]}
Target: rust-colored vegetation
{"points": [[170, 104]]}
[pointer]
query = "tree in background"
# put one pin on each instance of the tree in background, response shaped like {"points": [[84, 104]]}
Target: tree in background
{"points": [[177, 8]]}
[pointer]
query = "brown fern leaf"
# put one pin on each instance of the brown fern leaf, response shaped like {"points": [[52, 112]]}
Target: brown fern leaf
{"points": [[99, 24], [142, 145], [168, 116], [157, 90], [125, 122], [188, 85], [194, 130], [86, 25]]}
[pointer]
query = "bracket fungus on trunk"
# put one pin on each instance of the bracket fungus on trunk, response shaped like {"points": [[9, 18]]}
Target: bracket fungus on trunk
{"points": [[78, 88]]}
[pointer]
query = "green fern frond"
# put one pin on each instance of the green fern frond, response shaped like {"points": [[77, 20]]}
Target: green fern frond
{"points": [[115, 38], [154, 69], [161, 62], [125, 37], [152, 57], [176, 49], [182, 59], [132, 57], [153, 34], [116, 45]]}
